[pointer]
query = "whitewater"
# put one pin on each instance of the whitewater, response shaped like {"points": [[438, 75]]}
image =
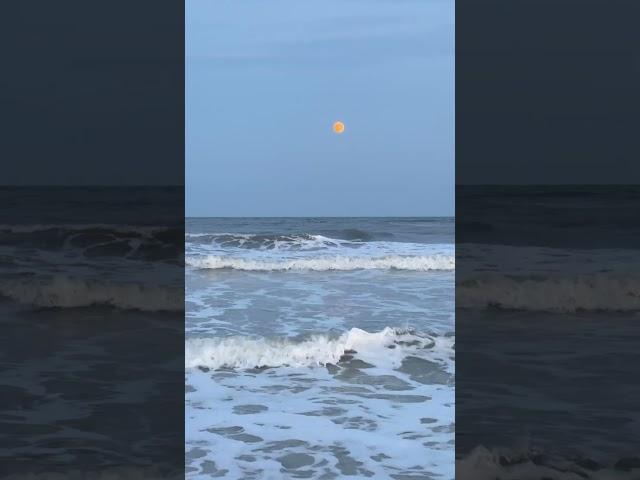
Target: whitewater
{"points": [[311, 343], [326, 263], [388, 347]]}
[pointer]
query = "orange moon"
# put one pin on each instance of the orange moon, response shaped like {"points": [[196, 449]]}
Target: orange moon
{"points": [[338, 127]]}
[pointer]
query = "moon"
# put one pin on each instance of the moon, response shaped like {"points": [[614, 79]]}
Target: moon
{"points": [[338, 127]]}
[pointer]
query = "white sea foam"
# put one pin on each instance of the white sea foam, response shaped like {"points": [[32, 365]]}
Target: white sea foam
{"points": [[66, 292], [385, 348], [342, 392], [592, 292], [267, 240], [360, 422], [326, 263]]}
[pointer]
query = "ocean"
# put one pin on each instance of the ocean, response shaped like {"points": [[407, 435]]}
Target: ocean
{"points": [[92, 346], [547, 322], [319, 348]]}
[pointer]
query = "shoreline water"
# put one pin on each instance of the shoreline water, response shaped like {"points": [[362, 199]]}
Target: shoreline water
{"points": [[308, 372]]}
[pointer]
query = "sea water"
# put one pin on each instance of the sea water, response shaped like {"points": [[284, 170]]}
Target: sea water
{"points": [[319, 348], [91, 314], [548, 328]]}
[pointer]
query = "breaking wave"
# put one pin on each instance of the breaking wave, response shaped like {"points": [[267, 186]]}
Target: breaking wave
{"points": [[65, 292], [264, 241], [589, 292], [387, 347], [326, 263]]}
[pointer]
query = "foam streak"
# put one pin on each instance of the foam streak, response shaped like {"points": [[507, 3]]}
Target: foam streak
{"points": [[325, 263]]}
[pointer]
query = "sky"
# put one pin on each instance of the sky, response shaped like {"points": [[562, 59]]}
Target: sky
{"points": [[266, 80]]}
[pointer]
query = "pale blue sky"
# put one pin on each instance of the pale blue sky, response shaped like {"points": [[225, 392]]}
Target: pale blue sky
{"points": [[266, 80]]}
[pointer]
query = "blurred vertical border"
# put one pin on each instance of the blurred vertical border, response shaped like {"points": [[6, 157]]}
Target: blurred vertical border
{"points": [[92, 239], [547, 222]]}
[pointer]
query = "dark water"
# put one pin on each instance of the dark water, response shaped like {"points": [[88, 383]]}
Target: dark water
{"points": [[92, 345], [393, 229], [576, 217], [547, 330]]}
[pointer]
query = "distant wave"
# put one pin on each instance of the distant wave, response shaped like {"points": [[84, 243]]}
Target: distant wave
{"points": [[590, 292], [65, 292], [302, 241], [388, 346], [327, 263]]}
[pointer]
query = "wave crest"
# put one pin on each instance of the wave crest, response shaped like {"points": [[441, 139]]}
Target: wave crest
{"points": [[388, 346], [326, 263], [293, 241]]}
